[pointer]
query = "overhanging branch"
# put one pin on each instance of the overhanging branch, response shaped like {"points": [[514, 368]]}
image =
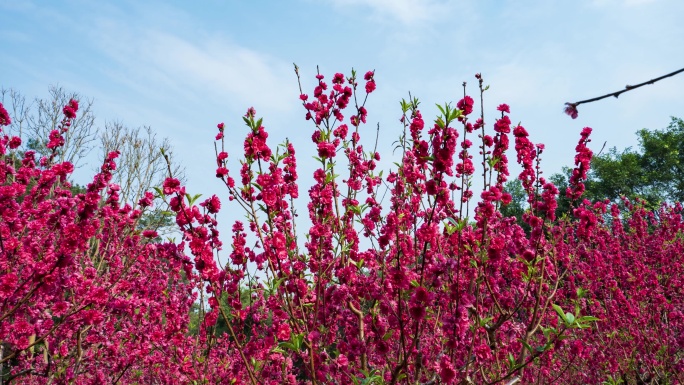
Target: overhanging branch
{"points": [[571, 108]]}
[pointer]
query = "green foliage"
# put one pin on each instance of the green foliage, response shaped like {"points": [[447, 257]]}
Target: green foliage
{"points": [[197, 314], [518, 200], [652, 173]]}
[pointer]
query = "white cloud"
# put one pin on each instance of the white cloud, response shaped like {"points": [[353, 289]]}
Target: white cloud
{"points": [[405, 11], [156, 62]]}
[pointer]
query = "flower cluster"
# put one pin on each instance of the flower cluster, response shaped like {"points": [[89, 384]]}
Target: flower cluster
{"points": [[582, 163], [82, 289]]}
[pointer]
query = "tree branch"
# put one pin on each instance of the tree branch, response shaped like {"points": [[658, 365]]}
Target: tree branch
{"points": [[571, 108]]}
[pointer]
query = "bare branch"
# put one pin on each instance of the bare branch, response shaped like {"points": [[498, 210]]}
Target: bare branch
{"points": [[571, 108], [19, 111], [140, 165], [47, 116]]}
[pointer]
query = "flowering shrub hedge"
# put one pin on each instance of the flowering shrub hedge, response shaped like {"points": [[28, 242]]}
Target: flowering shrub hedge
{"points": [[392, 283]]}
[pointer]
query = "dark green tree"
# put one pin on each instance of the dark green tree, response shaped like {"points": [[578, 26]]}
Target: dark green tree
{"points": [[653, 172], [518, 200]]}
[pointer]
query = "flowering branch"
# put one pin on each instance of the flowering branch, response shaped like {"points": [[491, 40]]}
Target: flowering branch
{"points": [[571, 108]]}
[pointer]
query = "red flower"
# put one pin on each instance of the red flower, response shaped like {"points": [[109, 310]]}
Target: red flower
{"points": [[447, 372], [4, 116], [213, 204], [149, 234], [14, 142], [466, 105], [571, 110], [146, 200], [7, 284], [221, 172], [283, 332], [171, 185], [70, 109], [370, 86], [338, 78]]}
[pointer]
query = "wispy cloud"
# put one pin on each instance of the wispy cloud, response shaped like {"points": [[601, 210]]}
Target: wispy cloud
{"points": [[404, 11], [154, 61]]}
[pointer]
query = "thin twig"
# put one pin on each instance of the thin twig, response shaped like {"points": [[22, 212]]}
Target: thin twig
{"points": [[602, 148]]}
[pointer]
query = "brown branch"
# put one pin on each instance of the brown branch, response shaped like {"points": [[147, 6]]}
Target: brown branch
{"points": [[571, 108]]}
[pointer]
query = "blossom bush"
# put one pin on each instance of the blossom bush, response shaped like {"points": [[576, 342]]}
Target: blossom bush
{"points": [[392, 283], [85, 297]]}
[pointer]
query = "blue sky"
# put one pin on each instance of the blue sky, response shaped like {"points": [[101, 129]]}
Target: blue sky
{"points": [[182, 67]]}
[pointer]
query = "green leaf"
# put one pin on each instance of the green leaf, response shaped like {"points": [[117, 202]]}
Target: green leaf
{"points": [[560, 312], [441, 109], [581, 293], [192, 199], [276, 284], [287, 345], [484, 321], [159, 191], [455, 114], [527, 346], [570, 318], [404, 106], [511, 360]]}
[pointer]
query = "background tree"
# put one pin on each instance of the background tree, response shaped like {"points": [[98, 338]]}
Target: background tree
{"points": [[653, 172], [518, 200], [140, 165], [44, 116]]}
